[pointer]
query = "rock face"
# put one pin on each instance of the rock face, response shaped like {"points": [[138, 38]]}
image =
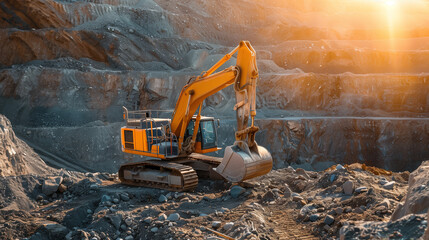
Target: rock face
{"points": [[16, 157], [417, 199]]}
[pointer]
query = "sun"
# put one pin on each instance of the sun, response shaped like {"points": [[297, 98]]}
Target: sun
{"points": [[390, 3]]}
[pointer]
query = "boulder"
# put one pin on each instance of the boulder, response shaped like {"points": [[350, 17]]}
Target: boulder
{"points": [[302, 172], [389, 185], [162, 217], [228, 226], [339, 167], [173, 217], [287, 192], [348, 187], [55, 231], [162, 199], [115, 220], [329, 220], [236, 191], [128, 221], [51, 185], [216, 224], [361, 189], [417, 198], [269, 196], [332, 177], [106, 198], [125, 197], [314, 217]]}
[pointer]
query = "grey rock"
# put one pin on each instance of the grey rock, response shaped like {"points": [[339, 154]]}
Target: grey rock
{"points": [[106, 198], [154, 229], [302, 172], [385, 203], [361, 189], [236, 191], [128, 221], [216, 224], [115, 220], [332, 177], [39, 197], [162, 199], [228, 226], [389, 185], [51, 185], [125, 197], [115, 200], [339, 210], [348, 187], [173, 217], [123, 227], [162, 217], [129, 238], [269, 196], [57, 231], [329, 220], [382, 181], [287, 192], [148, 220], [340, 167], [314, 217], [358, 210], [296, 197], [348, 209]]}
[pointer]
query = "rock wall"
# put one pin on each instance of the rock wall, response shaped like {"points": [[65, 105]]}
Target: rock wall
{"points": [[417, 199]]}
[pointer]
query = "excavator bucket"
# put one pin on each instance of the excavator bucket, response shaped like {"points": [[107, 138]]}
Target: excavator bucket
{"points": [[241, 163]]}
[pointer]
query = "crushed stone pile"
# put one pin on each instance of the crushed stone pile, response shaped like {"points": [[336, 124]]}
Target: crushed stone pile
{"points": [[16, 157]]}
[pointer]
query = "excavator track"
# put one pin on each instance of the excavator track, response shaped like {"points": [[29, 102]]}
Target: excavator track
{"points": [[159, 174]]}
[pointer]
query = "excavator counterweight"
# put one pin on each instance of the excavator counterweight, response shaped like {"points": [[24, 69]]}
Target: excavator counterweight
{"points": [[177, 144]]}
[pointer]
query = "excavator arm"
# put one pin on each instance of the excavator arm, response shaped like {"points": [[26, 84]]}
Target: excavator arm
{"points": [[245, 159], [244, 77]]}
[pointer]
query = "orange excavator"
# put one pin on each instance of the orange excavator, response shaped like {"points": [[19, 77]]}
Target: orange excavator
{"points": [[177, 144]]}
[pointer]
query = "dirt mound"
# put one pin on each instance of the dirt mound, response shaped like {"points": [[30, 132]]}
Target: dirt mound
{"points": [[16, 157]]}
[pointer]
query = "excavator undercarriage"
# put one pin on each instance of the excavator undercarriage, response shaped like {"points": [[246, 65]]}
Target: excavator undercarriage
{"points": [[181, 174]]}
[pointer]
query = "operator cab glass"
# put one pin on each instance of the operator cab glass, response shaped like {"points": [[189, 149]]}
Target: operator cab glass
{"points": [[206, 133]]}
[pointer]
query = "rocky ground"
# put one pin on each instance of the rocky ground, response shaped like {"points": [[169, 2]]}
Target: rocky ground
{"points": [[346, 202]]}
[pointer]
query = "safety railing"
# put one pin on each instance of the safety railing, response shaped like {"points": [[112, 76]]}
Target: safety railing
{"points": [[157, 125]]}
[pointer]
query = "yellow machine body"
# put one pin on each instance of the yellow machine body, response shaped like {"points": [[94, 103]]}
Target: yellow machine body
{"points": [[187, 132]]}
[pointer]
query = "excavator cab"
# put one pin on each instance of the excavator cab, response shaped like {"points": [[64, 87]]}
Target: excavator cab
{"points": [[206, 140]]}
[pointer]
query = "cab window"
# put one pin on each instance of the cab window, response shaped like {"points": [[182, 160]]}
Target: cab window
{"points": [[209, 134]]}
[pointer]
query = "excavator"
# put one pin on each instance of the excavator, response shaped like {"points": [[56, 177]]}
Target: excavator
{"points": [[178, 144]]}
